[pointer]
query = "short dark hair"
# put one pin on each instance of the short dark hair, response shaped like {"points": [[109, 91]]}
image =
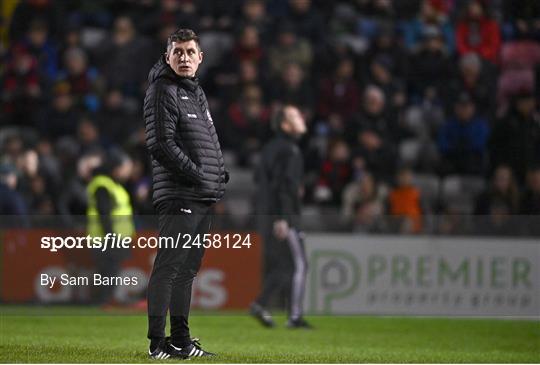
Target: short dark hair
{"points": [[183, 35]]}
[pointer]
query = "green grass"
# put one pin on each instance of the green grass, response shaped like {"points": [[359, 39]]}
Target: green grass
{"points": [[77, 335]]}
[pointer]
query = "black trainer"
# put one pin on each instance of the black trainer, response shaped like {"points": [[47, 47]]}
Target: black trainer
{"points": [[262, 315], [299, 323], [161, 352], [192, 350]]}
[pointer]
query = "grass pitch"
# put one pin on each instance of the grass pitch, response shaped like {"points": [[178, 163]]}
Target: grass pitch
{"points": [[83, 335]]}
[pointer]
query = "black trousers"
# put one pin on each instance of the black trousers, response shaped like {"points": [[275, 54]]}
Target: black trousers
{"points": [[169, 288], [287, 269]]}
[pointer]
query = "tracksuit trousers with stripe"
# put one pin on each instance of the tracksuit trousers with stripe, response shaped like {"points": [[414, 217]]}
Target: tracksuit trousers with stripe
{"points": [[169, 287], [287, 269]]}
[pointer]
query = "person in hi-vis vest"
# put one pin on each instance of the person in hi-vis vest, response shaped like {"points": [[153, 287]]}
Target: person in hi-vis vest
{"points": [[110, 212]]}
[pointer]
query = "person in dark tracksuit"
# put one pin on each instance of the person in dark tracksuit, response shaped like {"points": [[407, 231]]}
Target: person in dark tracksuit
{"points": [[188, 178], [279, 178]]}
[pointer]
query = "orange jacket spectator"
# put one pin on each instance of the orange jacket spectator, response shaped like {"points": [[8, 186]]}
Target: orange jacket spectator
{"points": [[404, 200]]}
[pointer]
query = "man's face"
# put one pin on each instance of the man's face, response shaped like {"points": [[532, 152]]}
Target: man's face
{"points": [[123, 172], [184, 58], [294, 122]]}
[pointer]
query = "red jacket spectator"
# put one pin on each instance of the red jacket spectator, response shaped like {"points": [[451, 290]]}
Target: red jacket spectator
{"points": [[477, 33], [340, 94]]}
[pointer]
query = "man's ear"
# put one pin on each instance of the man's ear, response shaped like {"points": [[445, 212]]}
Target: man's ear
{"points": [[201, 55], [166, 54]]}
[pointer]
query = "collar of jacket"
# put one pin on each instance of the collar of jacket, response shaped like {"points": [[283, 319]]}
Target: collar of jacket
{"points": [[281, 134], [190, 83]]}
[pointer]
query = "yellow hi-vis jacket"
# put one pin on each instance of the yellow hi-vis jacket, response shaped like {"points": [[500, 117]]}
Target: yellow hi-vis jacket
{"points": [[121, 213]]}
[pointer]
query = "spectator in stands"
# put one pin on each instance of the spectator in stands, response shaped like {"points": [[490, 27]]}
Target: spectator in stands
{"points": [[167, 12], [61, 118], [293, 88], [72, 38], [370, 136], [12, 147], [522, 19], [432, 13], [290, 47], [497, 203], [530, 202], [254, 14], [404, 203], [248, 47], [382, 75], [478, 33], [248, 73], [88, 136], [215, 15], [335, 174], [385, 46], [372, 115], [477, 80], [40, 45], [339, 95], [118, 116], [515, 140], [429, 68], [27, 12], [358, 192], [463, 138], [369, 217], [248, 120], [125, 58], [21, 88], [502, 194], [11, 201], [32, 183], [81, 79], [373, 13], [308, 21]]}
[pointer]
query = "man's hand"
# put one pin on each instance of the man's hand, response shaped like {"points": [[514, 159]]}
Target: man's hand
{"points": [[281, 229]]}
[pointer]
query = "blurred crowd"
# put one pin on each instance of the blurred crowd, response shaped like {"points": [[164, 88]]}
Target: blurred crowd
{"points": [[414, 107]]}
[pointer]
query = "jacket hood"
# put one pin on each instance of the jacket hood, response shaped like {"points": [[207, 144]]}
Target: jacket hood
{"points": [[162, 70]]}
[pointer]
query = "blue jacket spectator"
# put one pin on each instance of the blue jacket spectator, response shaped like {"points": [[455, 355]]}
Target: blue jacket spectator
{"points": [[462, 139], [430, 15], [11, 201]]}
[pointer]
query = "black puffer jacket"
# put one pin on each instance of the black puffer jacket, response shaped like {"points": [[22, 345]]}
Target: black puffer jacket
{"points": [[187, 162]]}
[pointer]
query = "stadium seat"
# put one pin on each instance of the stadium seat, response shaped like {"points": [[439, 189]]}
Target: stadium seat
{"points": [[408, 151], [514, 81], [311, 217], [520, 55], [429, 185], [459, 192], [241, 180]]}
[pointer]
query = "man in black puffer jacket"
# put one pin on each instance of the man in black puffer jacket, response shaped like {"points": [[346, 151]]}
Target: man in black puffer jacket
{"points": [[188, 177]]}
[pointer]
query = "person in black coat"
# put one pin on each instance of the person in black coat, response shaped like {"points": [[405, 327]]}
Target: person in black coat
{"points": [[279, 177], [188, 178], [515, 140]]}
